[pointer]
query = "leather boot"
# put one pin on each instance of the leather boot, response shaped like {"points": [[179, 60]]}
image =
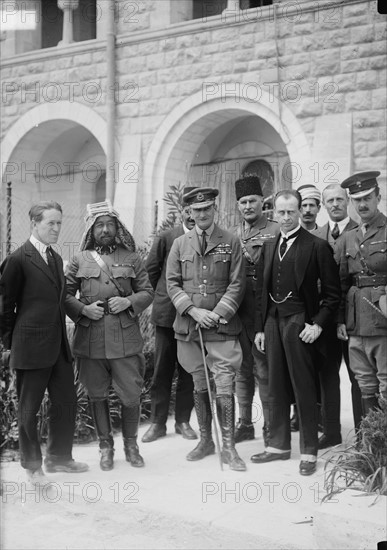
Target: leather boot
{"points": [[130, 418], [102, 424], [368, 403], [206, 445], [226, 415], [244, 429]]}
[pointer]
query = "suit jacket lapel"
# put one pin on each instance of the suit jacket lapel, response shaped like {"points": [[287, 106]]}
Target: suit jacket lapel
{"points": [[38, 261], [270, 250], [215, 240], [194, 240], [303, 255]]}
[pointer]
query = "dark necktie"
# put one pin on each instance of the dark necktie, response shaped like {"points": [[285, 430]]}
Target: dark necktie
{"points": [[52, 265], [335, 231], [364, 228], [204, 242], [283, 246]]}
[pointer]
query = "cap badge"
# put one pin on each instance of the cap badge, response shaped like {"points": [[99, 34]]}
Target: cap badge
{"points": [[200, 197]]}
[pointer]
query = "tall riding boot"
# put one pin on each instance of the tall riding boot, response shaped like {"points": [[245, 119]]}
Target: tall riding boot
{"points": [[226, 415], [368, 403], [130, 418], [102, 424], [206, 445]]}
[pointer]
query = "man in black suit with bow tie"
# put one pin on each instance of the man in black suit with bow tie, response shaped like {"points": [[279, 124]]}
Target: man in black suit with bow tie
{"points": [[291, 314], [35, 330]]}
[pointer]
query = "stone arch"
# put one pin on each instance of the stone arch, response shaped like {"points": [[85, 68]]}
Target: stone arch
{"points": [[187, 126]]}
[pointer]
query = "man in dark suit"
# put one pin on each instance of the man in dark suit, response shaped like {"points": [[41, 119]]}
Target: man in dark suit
{"points": [[335, 201], [291, 315], [165, 357], [35, 331]]}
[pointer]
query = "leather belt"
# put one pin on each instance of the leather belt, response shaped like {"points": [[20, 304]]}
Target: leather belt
{"points": [[369, 280]]}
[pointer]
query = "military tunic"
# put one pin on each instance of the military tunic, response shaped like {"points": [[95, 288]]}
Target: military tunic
{"points": [[363, 269]]}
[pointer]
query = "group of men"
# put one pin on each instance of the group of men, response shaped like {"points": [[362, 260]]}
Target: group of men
{"points": [[272, 301]]}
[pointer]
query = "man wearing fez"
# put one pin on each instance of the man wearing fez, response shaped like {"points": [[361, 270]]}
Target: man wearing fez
{"points": [[165, 357], [335, 201], [254, 230], [113, 288], [291, 315], [34, 329], [310, 206], [206, 283], [363, 273]]}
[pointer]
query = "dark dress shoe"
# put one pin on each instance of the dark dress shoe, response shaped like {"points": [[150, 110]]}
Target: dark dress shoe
{"points": [[154, 432], [307, 468], [70, 466], [266, 456], [326, 441], [244, 431], [184, 429]]}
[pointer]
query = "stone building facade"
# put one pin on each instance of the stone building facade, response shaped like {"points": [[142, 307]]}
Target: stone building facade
{"points": [[203, 90]]}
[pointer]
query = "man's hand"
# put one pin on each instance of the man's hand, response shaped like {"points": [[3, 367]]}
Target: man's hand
{"points": [[310, 333], [118, 304], [342, 332], [204, 317], [259, 341], [93, 311]]}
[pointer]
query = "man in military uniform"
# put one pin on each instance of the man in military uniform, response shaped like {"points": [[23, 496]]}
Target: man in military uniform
{"points": [[206, 283], [165, 357], [363, 268], [113, 289], [335, 201], [253, 231]]}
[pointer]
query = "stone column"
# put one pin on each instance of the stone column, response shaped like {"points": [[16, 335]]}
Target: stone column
{"points": [[67, 6]]}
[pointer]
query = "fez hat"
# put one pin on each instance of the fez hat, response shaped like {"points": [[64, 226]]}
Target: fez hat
{"points": [[361, 184], [201, 197], [249, 185]]}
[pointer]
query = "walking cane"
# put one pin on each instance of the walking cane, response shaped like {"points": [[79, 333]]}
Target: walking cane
{"points": [[212, 404]]}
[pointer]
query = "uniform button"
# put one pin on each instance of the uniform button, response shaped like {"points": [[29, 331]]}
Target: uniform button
{"points": [[204, 280], [106, 282], [204, 267], [362, 246]]}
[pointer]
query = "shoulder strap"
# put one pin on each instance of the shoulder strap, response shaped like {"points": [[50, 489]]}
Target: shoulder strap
{"points": [[105, 268]]}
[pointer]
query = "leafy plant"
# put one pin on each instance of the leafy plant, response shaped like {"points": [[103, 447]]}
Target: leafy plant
{"points": [[364, 465]]}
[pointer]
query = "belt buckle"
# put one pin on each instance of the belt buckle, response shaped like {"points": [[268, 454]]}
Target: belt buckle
{"points": [[203, 289]]}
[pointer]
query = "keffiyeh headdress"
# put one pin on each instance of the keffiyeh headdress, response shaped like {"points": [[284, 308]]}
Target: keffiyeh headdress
{"points": [[105, 208]]}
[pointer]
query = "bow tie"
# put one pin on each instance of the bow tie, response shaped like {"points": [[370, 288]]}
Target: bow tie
{"points": [[105, 249]]}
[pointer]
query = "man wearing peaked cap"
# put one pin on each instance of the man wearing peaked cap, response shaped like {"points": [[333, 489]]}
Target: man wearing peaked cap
{"points": [[253, 231], [206, 285], [165, 357], [201, 197], [363, 268], [114, 289], [310, 206]]}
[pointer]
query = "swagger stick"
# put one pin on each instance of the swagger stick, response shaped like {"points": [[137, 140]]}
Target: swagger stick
{"points": [[212, 405]]}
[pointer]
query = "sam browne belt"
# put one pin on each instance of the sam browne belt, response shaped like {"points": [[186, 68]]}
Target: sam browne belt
{"points": [[369, 280]]}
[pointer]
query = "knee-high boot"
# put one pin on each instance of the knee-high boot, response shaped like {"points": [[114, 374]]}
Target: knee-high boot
{"points": [[130, 417], [206, 445], [102, 424], [226, 415]]}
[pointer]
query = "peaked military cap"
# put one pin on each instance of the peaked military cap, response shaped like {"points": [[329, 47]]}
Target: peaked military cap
{"points": [[201, 197], [249, 185], [186, 190], [361, 184]]}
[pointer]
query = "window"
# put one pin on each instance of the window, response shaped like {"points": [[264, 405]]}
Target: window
{"points": [[207, 8]]}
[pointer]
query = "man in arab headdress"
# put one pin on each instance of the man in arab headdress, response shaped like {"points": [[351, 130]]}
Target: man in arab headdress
{"points": [[113, 289]]}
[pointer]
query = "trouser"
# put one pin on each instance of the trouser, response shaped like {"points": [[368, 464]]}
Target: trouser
{"points": [[164, 369], [367, 355], [223, 358], [254, 366], [291, 367], [31, 386]]}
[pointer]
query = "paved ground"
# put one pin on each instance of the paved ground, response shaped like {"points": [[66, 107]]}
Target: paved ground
{"points": [[171, 503]]}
